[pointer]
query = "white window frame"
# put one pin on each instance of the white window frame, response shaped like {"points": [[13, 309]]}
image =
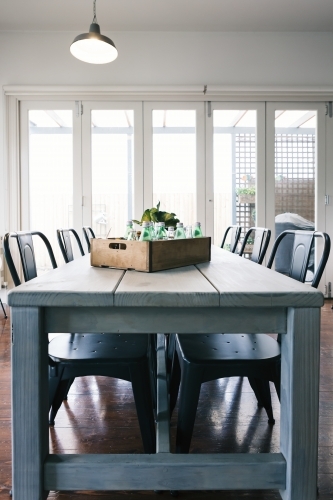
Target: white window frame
{"points": [[138, 175], [25, 107]]}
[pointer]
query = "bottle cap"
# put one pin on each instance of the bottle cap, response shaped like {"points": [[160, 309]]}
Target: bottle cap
{"points": [[146, 224], [130, 223], [180, 224], [171, 228], [197, 223], [162, 224]]}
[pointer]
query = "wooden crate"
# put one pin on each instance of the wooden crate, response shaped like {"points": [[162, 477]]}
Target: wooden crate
{"points": [[149, 256]]}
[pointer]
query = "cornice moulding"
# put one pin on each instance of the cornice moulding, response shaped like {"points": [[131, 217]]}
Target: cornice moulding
{"points": [[199, 92]]}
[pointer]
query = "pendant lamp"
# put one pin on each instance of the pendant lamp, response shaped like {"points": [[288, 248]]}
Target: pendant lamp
{"points": [[93, 47]]}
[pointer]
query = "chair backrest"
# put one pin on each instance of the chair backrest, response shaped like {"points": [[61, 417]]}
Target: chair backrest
{"points": [[234, 237], [261, 239], [27, 254], [303, 242], [88, 233], [64, 240]]}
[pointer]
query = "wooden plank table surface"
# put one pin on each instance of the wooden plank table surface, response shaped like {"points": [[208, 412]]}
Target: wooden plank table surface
{"points": [[228, 294]]}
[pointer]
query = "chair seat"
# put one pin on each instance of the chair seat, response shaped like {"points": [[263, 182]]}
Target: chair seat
{"points": [[98, 347], [218, 347]]}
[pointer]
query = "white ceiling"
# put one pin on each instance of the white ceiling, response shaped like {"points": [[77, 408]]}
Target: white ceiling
{"points": [[168, 15]]}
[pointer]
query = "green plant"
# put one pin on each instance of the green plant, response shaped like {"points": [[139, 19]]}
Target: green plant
{"points": [[248, 190], [156, 215]]}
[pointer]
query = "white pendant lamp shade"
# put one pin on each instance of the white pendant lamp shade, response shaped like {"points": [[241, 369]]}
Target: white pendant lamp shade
{"points": [[93, 47]]}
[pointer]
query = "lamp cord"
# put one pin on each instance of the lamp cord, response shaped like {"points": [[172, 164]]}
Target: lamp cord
{"points": [[95, 18]]}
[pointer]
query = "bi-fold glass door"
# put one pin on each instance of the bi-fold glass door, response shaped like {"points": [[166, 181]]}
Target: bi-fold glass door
{"points": [[295, 137], [235, 186], [101, 163], [174, 159], [112, 165], [295, 159], [265, 166]]}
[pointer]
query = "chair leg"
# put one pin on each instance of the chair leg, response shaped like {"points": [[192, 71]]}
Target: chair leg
{"points": [[263, 389], [141, 385], [58, 399], [174, 382], [171, 346], [55, 375], [190, 385], [153, 369], [4, 312], [70, 383], [254, 387], [277, 378]]}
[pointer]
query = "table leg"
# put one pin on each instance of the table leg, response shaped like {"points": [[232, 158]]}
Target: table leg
{"points": [[29, 403], [299, 403]]}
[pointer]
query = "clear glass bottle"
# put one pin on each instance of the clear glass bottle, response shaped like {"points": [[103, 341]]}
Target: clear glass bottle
{"points": [[129, 227], [171, 233], [188, 232], [180, 233], [145, 232], [197, 233], [131, 235]]}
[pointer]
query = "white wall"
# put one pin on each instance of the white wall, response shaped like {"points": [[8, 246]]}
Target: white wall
{"points": [[171, 58]]}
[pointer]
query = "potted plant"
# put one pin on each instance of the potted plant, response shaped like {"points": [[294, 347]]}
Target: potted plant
{"points": [[249, 246], [157, 215], [246, 195]]}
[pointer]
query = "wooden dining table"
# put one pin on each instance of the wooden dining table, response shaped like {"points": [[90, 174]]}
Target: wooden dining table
{"points": [[229, 294]]}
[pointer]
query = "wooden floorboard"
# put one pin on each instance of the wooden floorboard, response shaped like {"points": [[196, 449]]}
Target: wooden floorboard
{"points": [[99, 417]]}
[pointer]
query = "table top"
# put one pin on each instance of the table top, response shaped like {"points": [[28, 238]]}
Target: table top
{"points": [[226, 281]]}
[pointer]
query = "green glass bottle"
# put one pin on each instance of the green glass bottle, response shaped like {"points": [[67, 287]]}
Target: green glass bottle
{"points": [[161, 233], [197, 233], [180, 233], [145, 232], [152, 231]]}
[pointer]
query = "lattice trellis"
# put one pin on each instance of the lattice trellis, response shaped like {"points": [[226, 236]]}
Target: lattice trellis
{"points": [[294, 175]]}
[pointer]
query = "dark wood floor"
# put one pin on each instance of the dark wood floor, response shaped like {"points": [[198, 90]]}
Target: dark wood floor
{"points": [[99, 417]]}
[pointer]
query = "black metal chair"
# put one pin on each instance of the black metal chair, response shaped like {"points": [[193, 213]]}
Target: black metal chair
{"points": [[234, 237], [303, 243], [261, 239], [72, 355], [88, 233], [64, 240], [201, 358], [4, 311]]}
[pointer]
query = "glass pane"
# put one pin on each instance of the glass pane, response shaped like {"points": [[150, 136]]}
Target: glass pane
{"points": [[174, 163], [112, 137], [295, 174], [50, 178], [235, 170]]}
